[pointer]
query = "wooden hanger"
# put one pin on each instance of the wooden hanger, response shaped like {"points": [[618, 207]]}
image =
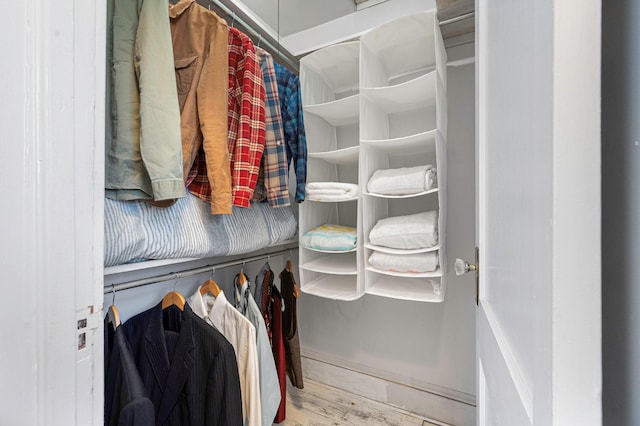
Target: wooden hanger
{"points": [[173, 298], [242, 278], [113, 317], [210, 286]]}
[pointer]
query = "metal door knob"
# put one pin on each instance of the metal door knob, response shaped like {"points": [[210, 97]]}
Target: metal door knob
{"points": [[464, 267]]}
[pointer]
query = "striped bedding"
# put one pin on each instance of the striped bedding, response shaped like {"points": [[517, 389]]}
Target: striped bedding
{"points": [[136, 231]]}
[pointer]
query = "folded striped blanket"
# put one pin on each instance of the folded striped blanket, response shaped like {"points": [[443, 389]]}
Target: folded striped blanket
{"points": [[330, 238], [135, 230]]}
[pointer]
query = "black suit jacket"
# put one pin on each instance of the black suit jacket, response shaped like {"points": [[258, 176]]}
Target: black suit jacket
{"points": [[188, 368], [125, 399]]}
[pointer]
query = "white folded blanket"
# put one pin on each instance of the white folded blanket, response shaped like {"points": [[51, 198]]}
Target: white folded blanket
{"points": [[417, 262], [330, 238], [331, 191], [403, 181], [406, 232]]}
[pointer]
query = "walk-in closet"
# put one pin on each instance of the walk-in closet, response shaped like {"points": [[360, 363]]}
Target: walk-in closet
{"points": [[347, 212]]}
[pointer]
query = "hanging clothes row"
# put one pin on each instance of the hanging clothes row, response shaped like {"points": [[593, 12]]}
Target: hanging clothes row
{"points": [[192, 103], [205, 360]]}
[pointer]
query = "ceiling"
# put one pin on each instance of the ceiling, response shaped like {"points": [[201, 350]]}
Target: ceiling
{"points": [[299, 15], [288, 17]]}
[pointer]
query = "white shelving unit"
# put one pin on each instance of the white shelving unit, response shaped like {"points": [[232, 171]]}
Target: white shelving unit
{"points": [[396, 73], [331, 105]]}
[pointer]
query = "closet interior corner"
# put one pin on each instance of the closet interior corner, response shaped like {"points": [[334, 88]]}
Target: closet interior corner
{"points": [[356, 136]]}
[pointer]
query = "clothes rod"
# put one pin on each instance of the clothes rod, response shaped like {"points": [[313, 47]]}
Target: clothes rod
{"points": [[236, 17], [189, 272]]}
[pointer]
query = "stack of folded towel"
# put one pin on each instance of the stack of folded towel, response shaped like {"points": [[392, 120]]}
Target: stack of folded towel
{"points": [[417, 231], [330, 238], [403, 181], [414, 231], [331, 191], [415, 263]]}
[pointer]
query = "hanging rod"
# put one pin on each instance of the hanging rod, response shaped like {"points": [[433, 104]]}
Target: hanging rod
{"points": [[235, 16], [190, 272]]}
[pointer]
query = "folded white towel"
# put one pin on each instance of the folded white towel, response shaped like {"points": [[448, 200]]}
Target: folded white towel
{"points": [[417, 262], [403, 181], [406, 232], [331, 191]]}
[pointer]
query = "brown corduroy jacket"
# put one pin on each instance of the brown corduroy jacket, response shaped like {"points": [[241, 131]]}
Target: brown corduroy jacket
{"points": [[200, 40]]}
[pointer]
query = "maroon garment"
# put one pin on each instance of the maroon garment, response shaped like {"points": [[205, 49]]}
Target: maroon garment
{"points": [[278, 353], [267, 283]]}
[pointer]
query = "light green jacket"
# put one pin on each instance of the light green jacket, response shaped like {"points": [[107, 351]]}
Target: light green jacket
{"points": [[143, 143]]}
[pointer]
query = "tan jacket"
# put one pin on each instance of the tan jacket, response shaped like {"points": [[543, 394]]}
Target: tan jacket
{"points": [[200, 41]]}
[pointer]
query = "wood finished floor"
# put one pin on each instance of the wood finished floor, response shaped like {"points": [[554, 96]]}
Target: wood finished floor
{"points": [[321, 405]]}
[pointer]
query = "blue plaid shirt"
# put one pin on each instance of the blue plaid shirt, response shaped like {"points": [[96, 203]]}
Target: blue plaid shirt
{"points": [[293, 123], [273, 181]]}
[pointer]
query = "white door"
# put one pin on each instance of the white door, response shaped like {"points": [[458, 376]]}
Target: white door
{"points": [[538, 151]]}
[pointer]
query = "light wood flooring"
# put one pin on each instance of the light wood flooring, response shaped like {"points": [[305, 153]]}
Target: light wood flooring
{"points": [[321, 405]]}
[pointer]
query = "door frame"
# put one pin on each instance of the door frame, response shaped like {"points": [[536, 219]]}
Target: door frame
{"points": [[569, 331]]}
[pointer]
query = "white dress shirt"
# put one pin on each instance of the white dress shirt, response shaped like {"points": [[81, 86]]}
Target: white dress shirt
{"points": [[239, 331], [269, 384]]}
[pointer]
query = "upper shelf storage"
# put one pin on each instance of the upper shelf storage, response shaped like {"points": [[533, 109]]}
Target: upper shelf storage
{"points": [[330, 75], [402, 50]]}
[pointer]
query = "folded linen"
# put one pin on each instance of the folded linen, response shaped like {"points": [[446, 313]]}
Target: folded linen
{"points": [[416, 262], [331, 191], [406, 232], [403, 181], [330, 238]]}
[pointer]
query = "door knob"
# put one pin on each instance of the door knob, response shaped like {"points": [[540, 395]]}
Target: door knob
{"points": [[464, 267]]}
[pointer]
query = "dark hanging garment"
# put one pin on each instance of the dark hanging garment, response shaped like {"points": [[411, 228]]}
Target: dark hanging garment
{"points": [[279, 356], [188, 368], [288, 290], [126, 400]]}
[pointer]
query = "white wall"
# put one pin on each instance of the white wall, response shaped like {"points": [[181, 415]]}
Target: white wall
{"points": [[426, 345], [621, 212], [51, 97]]}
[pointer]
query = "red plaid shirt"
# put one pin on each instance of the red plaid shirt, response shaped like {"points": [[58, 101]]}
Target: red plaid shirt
{"points": [[246, 120]]}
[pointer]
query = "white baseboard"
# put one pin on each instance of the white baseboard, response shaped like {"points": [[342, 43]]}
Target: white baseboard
{"points": [[452, 409]]}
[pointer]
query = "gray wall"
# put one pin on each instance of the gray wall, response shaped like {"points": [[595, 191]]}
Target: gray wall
{"points": [[426, 344], [621, 212]]}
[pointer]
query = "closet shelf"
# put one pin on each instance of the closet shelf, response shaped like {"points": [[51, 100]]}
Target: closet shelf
{"points": [[401, 251], [407, 289], [338, 65], [411, 95], [417, 143], [315, 200], [344, 264], [328, 251], [339, 156], [337, 113], [406, 45], [172, 265], [418, 194], [434, 274], [337, 287]]}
